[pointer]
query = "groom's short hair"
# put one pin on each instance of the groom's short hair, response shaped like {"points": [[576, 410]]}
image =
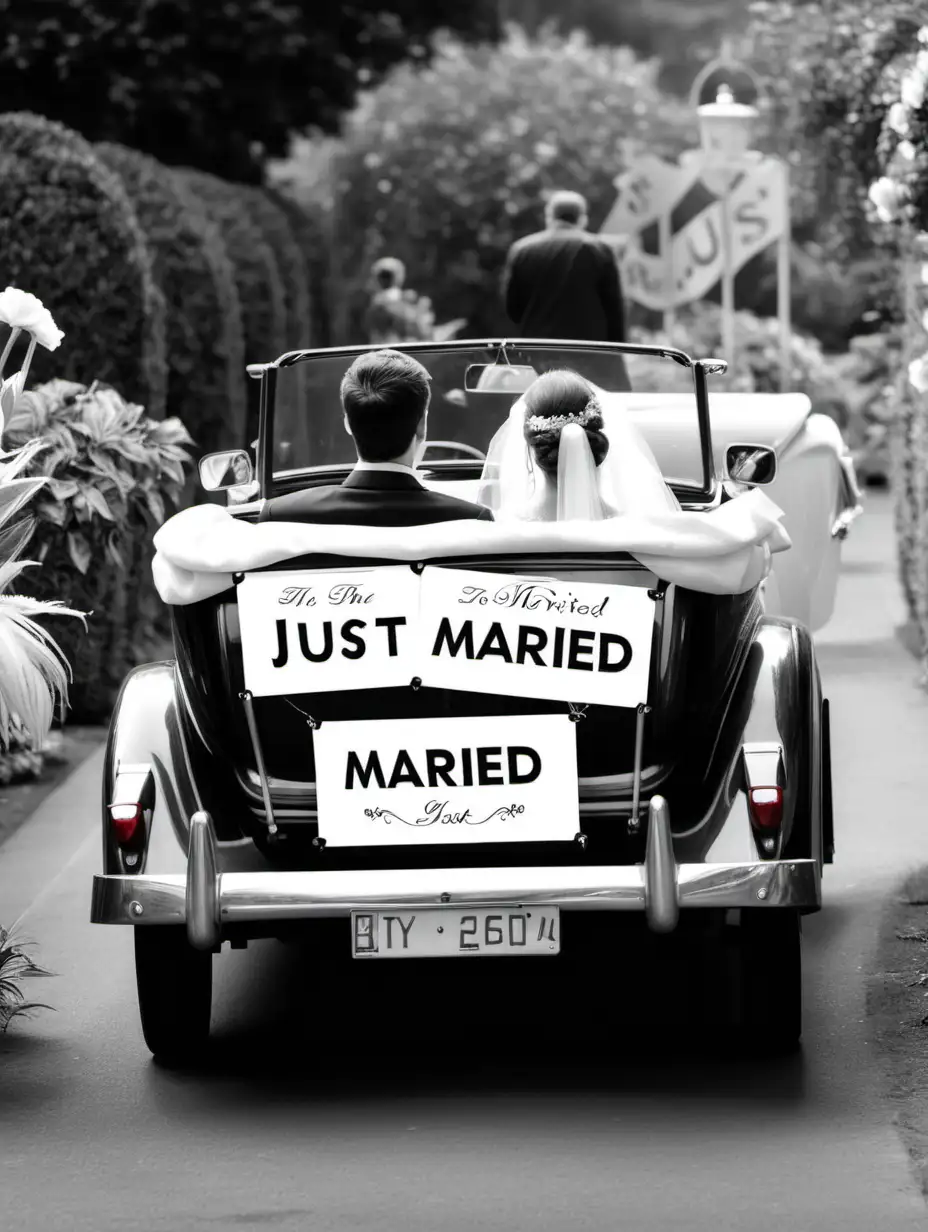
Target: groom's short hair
{"points": [[384, 396]]}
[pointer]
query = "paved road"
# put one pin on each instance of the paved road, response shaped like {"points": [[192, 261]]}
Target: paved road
{"points": [[290, 1130]]}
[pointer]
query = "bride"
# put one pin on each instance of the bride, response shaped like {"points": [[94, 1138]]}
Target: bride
{"points": [[557, 460]]}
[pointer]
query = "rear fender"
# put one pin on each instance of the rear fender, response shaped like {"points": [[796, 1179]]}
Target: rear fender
{"points": [[146, 750], [780, 706]]}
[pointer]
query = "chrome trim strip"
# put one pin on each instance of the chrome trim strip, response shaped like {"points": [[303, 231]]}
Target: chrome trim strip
{"points": [[636, 777], [661, 899], [245, 897], [248, 703], [201, 892]]}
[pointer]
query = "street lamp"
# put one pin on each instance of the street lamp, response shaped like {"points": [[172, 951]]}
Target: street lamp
{"points": [[726, 127]]}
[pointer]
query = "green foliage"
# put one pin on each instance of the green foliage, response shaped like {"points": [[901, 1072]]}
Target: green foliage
{"points": [[678, 32], [257, 275], [311, 228], [33, 671], [215, 84], [274, 226], [444, 167], [114, 474], [15, 966], [828, 70], [205, 346], [20, 760], [68, 230]]}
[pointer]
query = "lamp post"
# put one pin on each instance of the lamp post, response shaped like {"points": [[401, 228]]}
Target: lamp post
{"points": [[727, 129]]}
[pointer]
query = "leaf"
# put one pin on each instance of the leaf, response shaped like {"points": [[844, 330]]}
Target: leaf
{"points": [[156, 507], [10, 393], [55, 512], [79, 551], [113, 553], [97, 503]]}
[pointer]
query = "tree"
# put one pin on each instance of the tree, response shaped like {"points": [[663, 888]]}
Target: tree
{"points": [[680, 33], [445, 167], [825, 65], [215, 84]]}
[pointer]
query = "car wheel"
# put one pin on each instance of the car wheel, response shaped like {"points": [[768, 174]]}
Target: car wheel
{"points": [[175, 986], [769, 980]]}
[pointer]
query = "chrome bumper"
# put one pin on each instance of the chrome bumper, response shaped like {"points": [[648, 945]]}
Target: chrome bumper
{"points": [[206, 899]]}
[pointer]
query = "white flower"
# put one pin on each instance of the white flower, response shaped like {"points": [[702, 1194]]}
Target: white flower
{"points": [[918, 373], [20, 310], [924, 274], [925, 320], [887, 196], [906, 150], [898, 119], [912, 91], [922, 36]]}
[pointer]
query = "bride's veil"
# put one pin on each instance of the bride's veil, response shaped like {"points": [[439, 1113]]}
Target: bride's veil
{"points": [[629, 480], [578, 492]]}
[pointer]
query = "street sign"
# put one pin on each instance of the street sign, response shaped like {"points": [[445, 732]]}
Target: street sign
{"points": [[751, 216]]}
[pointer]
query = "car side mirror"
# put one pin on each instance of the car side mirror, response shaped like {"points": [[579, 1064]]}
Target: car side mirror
{"points": [[228, 469], [751, 464]]}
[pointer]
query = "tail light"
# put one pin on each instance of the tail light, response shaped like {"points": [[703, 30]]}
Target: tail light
{"points": [[133, 796], [124, 820], [765, 777], [765, 805]]}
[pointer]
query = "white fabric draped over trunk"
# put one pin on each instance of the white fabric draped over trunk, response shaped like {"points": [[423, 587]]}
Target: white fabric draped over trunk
{"points": [[725, 551]]}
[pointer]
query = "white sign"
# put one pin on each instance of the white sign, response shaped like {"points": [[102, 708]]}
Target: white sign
{"points": [[756, 217], [535, 637], [649, 190], [501, 779], [319, 631]]}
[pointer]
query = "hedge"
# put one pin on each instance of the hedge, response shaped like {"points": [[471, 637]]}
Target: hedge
{"points": [[205, 344], [275, 227], [257, 275], [69, 234], [312, 230]]}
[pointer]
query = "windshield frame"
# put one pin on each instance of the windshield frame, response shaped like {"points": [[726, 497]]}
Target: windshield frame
{"points": [[700, 368]]}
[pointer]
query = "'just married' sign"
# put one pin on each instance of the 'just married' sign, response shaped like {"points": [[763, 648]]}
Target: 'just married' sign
{"points": [[535, 637], [505, 779], [321, 631]]}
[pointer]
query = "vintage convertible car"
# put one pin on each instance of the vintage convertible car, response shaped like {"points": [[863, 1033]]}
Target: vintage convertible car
{"points": [[511, 736]]}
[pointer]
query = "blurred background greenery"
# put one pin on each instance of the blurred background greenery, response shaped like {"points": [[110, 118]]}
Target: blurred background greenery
{"points": [[193, 187]]}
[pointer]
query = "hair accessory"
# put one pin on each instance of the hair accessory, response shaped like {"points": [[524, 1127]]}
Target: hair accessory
{"points": [[586, 416]]}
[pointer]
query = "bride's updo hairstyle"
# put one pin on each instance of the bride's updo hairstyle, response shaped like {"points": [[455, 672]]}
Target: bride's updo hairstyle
{"points": [[556, 399]]}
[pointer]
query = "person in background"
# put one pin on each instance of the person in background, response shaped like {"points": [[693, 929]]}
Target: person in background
{"points": [[394, 314], [564, 282]]}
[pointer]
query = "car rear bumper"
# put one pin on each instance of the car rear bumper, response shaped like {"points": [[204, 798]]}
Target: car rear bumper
{"points": [[206, 900]]}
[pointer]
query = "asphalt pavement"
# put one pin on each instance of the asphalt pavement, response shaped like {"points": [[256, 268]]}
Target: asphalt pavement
{"points": [[312, 1116]]}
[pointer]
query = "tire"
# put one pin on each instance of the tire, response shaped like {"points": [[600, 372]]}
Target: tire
{"points": [[175, 988], [769, 980]]}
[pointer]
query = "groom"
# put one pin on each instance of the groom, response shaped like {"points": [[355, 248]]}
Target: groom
{"points": [[385, 398]]}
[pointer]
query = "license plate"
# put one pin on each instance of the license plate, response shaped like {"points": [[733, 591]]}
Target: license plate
{"points": [[446, 933]]}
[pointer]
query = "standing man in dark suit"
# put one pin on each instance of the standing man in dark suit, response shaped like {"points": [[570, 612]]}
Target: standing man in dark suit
{"points": [[385, 398], [563, 282]]}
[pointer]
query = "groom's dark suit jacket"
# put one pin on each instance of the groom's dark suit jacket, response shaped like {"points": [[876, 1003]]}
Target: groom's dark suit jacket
{"points": [[372, 498]]}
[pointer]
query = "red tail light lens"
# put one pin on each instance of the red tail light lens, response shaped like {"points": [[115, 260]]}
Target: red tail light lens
{"points": [[766, 807], [125, 819]]}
